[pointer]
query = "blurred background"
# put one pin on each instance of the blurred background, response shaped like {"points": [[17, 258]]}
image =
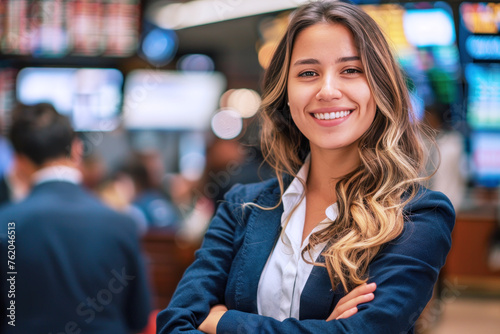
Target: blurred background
{"points": [[164, 95]]}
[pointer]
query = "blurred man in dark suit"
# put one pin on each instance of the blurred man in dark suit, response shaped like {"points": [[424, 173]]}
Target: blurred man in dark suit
{"points": [[69, 264]]}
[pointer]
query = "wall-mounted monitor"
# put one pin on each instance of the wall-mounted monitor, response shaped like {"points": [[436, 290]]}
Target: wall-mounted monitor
{"points": [[423, 37], [90, 97], [485, 149], [438, 30], [171, 100], [58, 28], [483, 105]]}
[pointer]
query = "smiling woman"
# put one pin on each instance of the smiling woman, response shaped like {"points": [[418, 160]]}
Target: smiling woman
{"points": [[345, 239]]}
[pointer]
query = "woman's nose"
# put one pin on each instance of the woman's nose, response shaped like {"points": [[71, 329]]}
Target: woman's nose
{"points": [[329, 89]]}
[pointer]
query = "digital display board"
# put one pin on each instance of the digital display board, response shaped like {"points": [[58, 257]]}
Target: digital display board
{"points": [[171, 100], [90, 97], [479, 41], [56, 28], [428, 52]]}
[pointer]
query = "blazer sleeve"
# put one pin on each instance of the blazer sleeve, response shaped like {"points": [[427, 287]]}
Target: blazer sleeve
{"points": [[405, 272], [204, 282]]}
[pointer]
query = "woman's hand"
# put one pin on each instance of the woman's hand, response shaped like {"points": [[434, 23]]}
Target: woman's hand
{"points": [[347, 306], [209, 325]]}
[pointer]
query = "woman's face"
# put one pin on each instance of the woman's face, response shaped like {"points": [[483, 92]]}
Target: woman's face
{"points": [[330, 100]]}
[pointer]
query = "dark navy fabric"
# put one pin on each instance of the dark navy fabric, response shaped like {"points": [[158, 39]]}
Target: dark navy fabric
{"points": [[78, 263], [157, 210], [239, 241]]}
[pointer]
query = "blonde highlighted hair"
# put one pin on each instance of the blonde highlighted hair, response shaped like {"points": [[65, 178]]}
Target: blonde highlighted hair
{"points": [[372, 197]]}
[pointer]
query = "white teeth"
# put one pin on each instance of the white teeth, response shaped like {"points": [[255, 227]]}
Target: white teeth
{"points": [[332, 115]]}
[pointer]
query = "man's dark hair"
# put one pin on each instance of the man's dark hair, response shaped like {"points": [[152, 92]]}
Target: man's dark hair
{"points": [[40, 133]]}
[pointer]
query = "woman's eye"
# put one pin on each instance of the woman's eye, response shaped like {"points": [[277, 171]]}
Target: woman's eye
{"points": [[307, 74], [352, 71]]}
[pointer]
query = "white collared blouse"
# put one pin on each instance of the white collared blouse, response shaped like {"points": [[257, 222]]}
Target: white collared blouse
{"points": [[285, 273]]}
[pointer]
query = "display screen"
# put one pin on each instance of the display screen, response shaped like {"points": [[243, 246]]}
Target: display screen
{"points": [[90, 97], [479, 40], [171, 100], [485, 148], [479, 32], [438, 30], [483, 105], [427, 52], [56, 28]]}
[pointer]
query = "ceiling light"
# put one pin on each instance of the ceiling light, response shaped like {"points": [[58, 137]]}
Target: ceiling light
{"points": [[200, 12]]}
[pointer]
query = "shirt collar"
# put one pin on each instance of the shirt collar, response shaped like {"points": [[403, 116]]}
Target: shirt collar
{"points": [[332, 211], [57, 173], [293, 193]]}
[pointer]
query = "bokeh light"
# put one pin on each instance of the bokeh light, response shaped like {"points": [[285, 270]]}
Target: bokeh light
{"points": [[227, 124], [159, 46], [224, 99], [245, 101], [196, 62]]}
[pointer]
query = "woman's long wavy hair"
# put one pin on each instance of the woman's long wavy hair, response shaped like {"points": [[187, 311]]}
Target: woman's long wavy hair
{"points": [[372, 197]]}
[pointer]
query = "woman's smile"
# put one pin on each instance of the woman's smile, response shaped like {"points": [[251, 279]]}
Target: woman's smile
{"points": [[331, 116]]}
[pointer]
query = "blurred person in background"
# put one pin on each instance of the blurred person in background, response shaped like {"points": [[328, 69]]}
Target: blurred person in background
{"points": [[195, 208], [118, 192], [146, 170], [198, 199], [230, 162], [78, 263], [93, 170], [12, 188]]}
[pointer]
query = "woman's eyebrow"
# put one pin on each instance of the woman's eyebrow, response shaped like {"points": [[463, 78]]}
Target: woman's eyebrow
{"points": [[346, 59], [314, 61], [307, 61]]}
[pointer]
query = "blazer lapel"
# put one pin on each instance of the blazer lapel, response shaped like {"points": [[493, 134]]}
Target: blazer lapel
{"points": [[264, 227], [316, 301]]}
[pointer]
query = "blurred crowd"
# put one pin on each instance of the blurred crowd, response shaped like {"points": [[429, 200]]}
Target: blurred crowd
{"points": [[141, 187]]}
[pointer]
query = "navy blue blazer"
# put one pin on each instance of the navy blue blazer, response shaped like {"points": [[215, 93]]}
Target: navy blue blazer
{"points": [[78, 264], [239, 241]]}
